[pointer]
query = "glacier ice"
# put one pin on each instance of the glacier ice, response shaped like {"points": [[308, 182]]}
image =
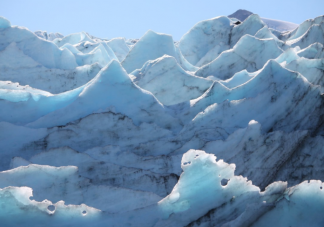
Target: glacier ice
{"points": [[209, 200], [249, 53], [155, 75], [151, 46], [125, 132], [139, 104], [48, 36], [314, 50], [208, 37], [4, 23], [120, 48]]}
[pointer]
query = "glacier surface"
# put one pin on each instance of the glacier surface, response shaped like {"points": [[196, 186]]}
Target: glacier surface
{"points": [[223, 128]]}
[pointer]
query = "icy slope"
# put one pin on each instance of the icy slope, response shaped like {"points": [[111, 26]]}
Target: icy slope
{"points": [[207, 39], [302, 29], [125, 132], [51, 80], [114, 91], [314, 34], [151, 46], [249, 53], [288, 105], [168, 82], [206, 36], [43, 52], [315, 50], [256, 84], [120, 48]]}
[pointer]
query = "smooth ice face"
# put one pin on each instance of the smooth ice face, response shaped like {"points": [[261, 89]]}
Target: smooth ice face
{"points": [[209, 37], [151, 46], [4, 23], [168, 82], [119, 46]]}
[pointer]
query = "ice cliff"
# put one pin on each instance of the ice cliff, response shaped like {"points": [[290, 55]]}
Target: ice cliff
{"points": [[223, 128]]}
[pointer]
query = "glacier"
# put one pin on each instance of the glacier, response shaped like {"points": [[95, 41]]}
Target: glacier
{"points": [[224, 127]]}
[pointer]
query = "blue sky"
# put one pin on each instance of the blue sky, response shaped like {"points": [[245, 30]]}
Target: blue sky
{"points": [[132, 18]]}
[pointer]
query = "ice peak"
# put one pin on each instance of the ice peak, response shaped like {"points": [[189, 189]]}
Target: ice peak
{"points": [[4, 23], [151, 46], [113, 73], [151, 33], [272, 65], [254, 18]]}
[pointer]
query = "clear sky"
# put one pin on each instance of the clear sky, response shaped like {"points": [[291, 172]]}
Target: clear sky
{"points": [[132, 18]]}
